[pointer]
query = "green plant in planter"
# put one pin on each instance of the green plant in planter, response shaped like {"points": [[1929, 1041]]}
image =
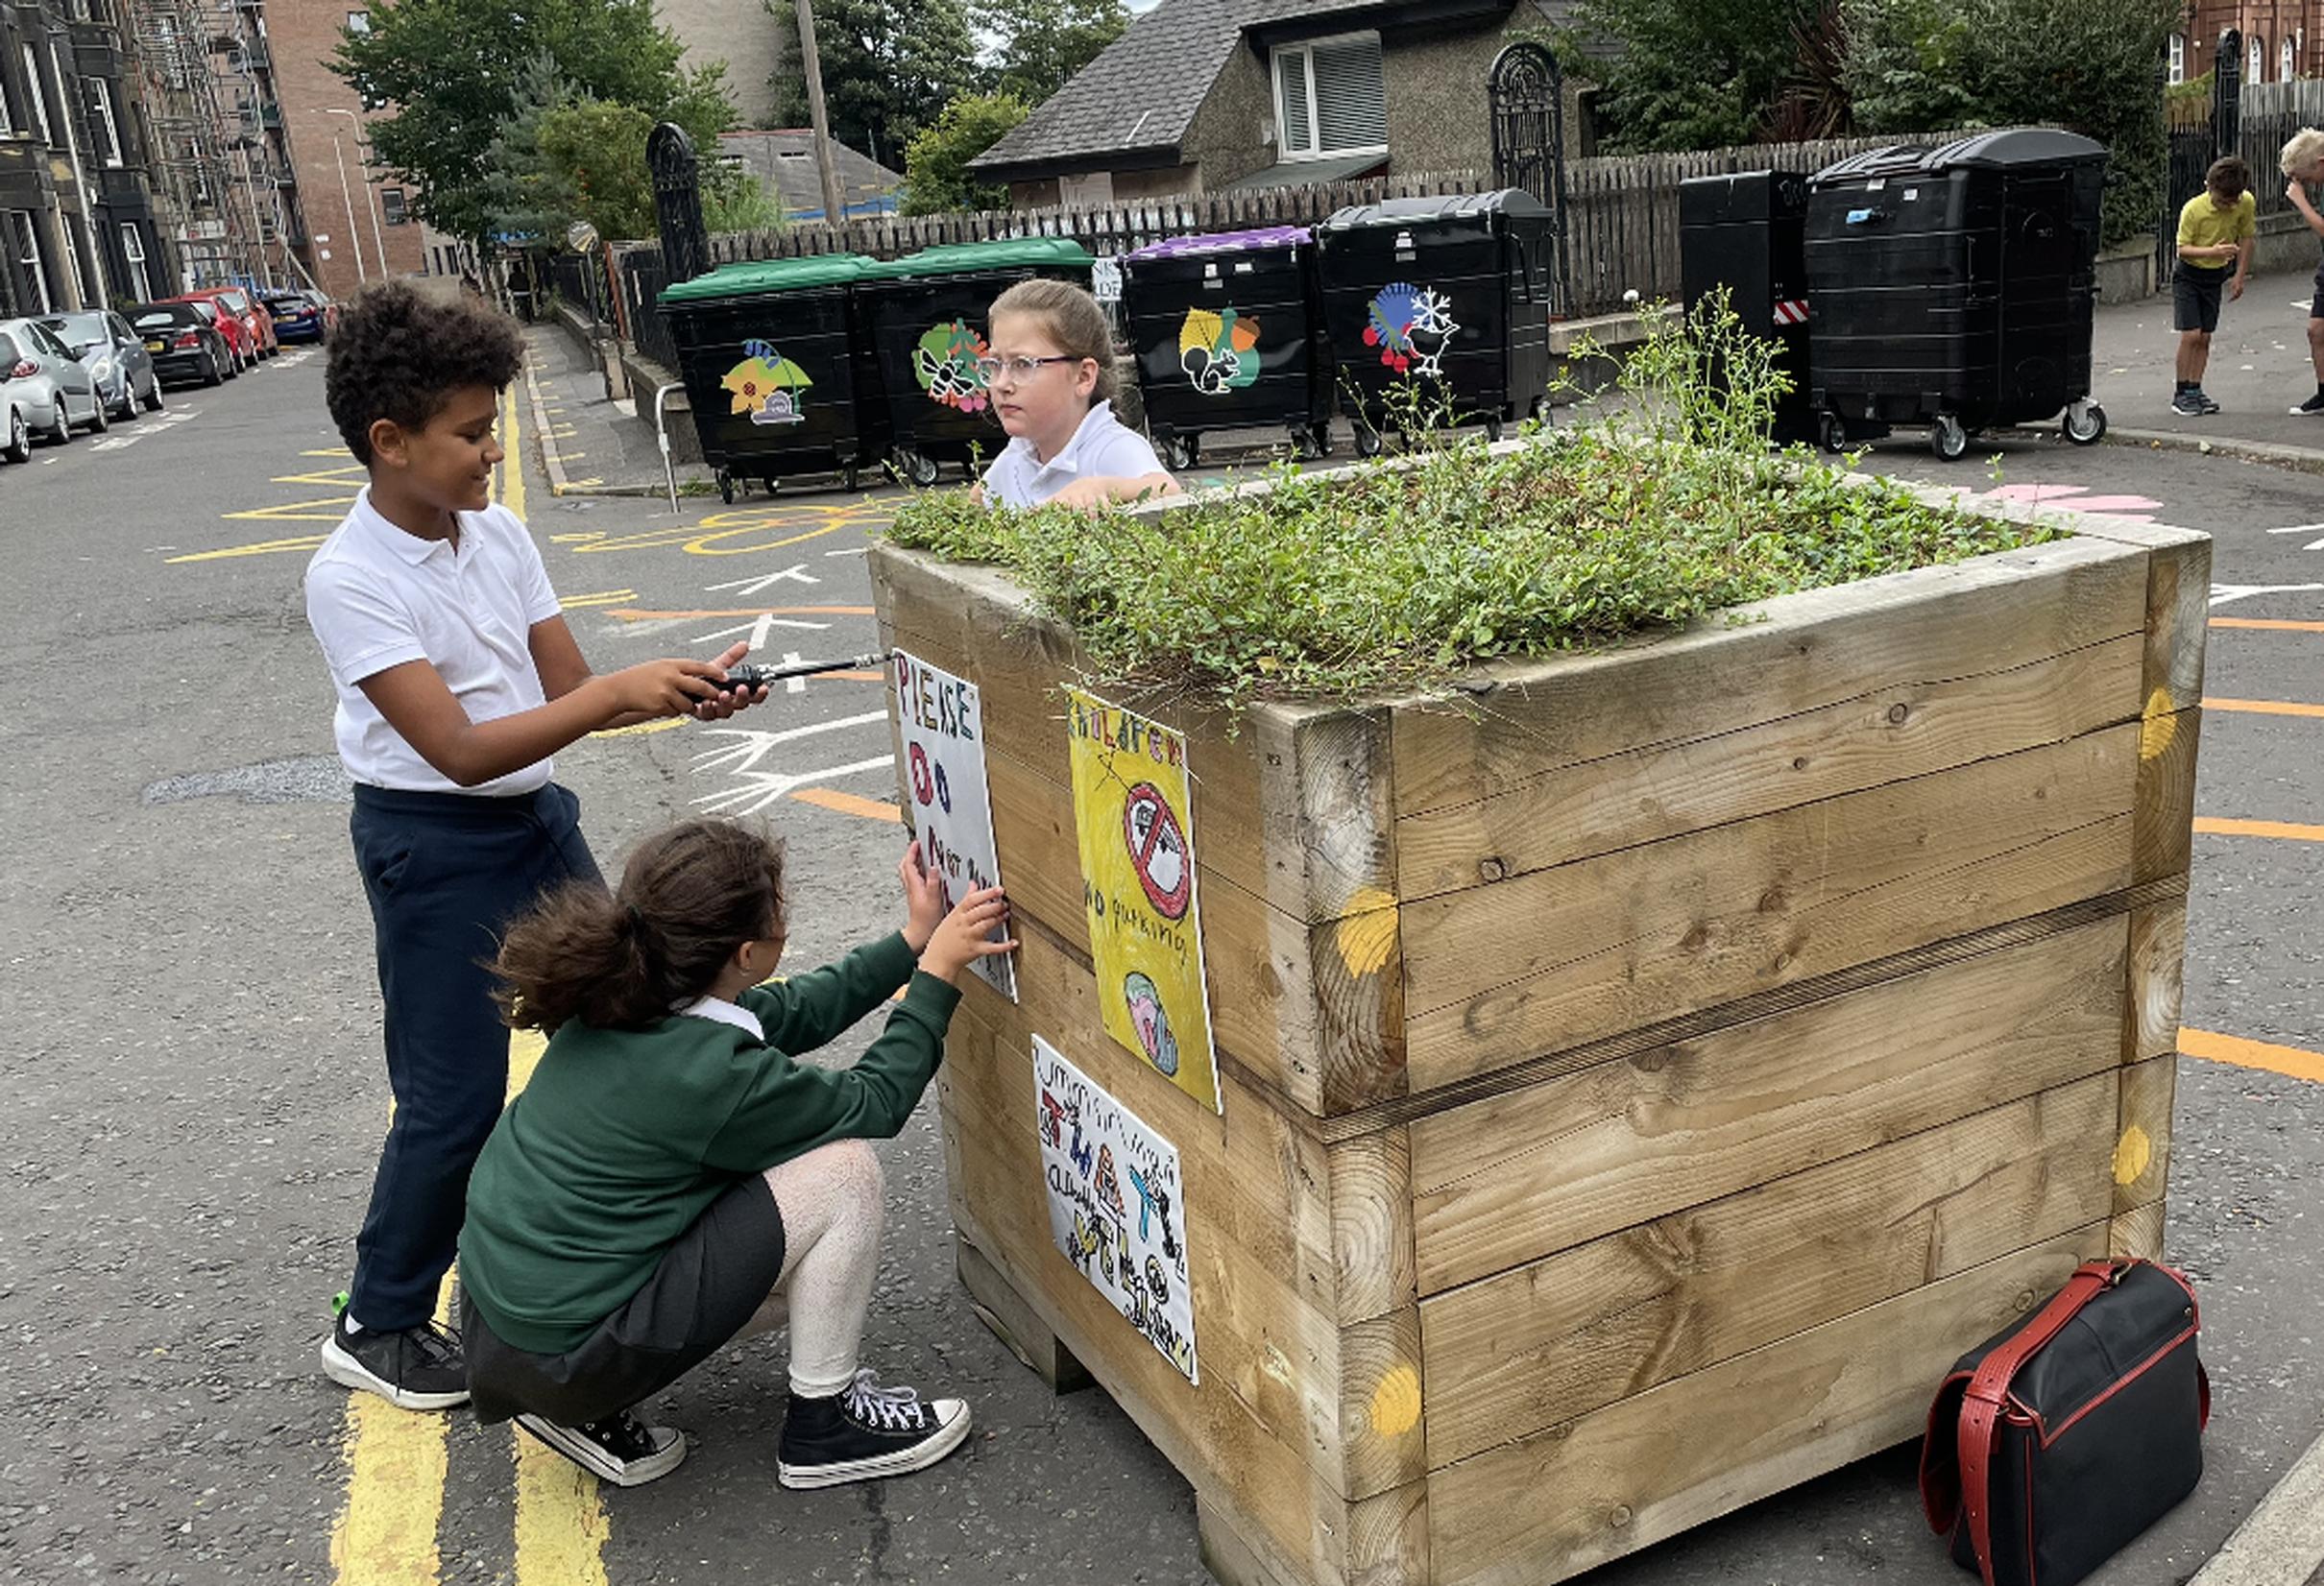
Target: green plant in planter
{"points": [[1400, 575]]}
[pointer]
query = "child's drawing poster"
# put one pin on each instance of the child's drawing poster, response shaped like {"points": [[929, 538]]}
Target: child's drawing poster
{"points": [[952, 805], [1117, 1204], [1135, 822]]}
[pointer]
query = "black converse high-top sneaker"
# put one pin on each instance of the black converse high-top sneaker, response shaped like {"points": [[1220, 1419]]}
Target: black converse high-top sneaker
{"points": [[619, 1448], [866, 1431]]}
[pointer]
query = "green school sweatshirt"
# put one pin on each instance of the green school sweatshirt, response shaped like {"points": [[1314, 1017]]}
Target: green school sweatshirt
{"points": [[623, 1137]]}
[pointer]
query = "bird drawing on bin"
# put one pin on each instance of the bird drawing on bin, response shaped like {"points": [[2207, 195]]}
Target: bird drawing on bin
{"points": [[1410, 325], [766, 385]]}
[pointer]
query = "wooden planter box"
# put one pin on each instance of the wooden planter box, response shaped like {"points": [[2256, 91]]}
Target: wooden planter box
{"points": [[1642, 1076]]}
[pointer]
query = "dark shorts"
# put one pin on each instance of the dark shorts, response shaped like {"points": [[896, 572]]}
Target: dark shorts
{"points": [[721, 1270], [2315, 310], [2195, 298]]}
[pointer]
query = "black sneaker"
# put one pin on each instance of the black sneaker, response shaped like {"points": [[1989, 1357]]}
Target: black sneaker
{"points": [[2188, 403], [2203, 399], [419, 1368], [865, 1432], [619, 1448], [2313, 406]]}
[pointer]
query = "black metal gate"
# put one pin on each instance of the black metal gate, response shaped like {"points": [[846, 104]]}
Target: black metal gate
{"points": [[2193, 149], [1528, 93], [669, 154]]}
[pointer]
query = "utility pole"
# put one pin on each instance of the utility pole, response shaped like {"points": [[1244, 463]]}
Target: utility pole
{"points": [[833, 212]]}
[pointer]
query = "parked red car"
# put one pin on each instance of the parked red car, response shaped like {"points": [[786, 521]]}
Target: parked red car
{"points": [[250, 330]]}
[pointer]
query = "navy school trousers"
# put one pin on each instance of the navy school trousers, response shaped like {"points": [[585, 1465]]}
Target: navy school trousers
{"points": [[445, 873]]}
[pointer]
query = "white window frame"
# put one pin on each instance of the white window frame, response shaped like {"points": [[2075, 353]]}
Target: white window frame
{"points": [[32, 74], [25, 228], [103, 92], [2255, 60], [2178, 57], [8, 121], [2287, 60], [132, 249], [1305, 49], [359, 21]]}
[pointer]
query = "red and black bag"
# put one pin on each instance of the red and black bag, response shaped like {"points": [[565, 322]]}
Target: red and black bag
{"points": [[2059, 1439]]}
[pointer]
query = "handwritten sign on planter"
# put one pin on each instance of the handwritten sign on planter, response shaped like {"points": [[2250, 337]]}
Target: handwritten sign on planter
{"points": [[1117, 1204], [952, 805], [1135, 823]]}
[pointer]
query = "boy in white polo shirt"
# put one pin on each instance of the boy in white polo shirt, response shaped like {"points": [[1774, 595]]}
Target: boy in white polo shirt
{"points": [[458, 680]]}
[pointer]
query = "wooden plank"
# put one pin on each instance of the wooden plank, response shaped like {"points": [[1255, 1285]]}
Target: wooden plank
{"points": [[1554, 1339], [2158, 952], [2142, 1152], [2163, 827], [1551, 960], [2178, 605], [1779, 658], [1371, 1223], [2137, 1232], [1002, 1309], [1947, 708], [1569, 1498], [1523, 1175]]}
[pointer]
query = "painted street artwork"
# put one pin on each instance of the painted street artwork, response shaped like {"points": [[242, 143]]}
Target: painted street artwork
{"points": [[766, 385], [1133, 815], [1218, 349], [951, 812], [1411, 326], [1117, 1204]]}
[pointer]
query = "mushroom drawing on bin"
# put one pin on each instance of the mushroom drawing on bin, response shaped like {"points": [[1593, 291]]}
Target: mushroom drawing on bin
{"points": [[944, 361], [1410, 325], [765, 385], [1218, 349]]}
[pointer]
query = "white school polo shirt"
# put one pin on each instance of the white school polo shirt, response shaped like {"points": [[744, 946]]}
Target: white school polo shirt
{"points": [[377, 597], [1101, 447]]}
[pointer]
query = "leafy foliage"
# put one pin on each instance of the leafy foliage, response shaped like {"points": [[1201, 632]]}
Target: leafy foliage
{"points": [[1693, 74], [520, 196], [888, 67], [1044, 42], [936, 179], [455, 72], [1399, 576], [597, 152]]}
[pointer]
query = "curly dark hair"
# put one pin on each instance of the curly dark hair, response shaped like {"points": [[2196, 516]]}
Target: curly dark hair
{"points": [[399, 354], [689, 896]]}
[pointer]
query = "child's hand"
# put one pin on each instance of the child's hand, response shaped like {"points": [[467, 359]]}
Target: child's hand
{"points": [[666, 688], [922, 898], [731, 700], [960, 940]]}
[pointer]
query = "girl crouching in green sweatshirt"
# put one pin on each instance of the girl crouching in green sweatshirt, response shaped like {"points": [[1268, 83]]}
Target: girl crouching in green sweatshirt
{"points": [[672, 1178]]}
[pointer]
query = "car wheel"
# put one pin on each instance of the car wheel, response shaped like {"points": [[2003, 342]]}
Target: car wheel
{"points": [[152, 396], [61, 429], [128, 409], [20, 447], [98, 421], [211, 372]]}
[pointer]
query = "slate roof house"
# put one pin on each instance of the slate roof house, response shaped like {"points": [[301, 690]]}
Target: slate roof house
{"points": [[1204, 96], [785, 160]]}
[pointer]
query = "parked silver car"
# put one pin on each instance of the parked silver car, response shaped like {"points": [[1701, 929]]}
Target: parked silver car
{"points": [[115, 358], [44, 385]]}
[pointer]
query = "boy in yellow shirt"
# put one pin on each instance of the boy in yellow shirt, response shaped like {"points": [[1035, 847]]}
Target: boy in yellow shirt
{"points": [[2215, 229]]}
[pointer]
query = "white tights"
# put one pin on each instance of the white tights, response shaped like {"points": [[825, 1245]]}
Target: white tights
{"points": [[830, 1201]]}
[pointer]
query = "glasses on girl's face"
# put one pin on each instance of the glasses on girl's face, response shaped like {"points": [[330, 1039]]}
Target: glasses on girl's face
{"points": [[1019, 369]]}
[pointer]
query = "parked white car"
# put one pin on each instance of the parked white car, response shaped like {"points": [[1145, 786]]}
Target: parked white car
{"points": [[44, 390]]}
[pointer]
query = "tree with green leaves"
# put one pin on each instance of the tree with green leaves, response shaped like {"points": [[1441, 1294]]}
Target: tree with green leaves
{"points": [[521, 197], [455, 72], [1044, 42], [1910, 64], [936, 177], [888, 65], [1692, 74]]}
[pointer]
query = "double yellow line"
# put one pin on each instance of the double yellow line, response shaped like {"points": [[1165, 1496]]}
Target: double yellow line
{"points": [[397, 1461]]}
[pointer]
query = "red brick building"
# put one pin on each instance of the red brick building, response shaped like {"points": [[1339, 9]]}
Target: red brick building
{"points": [[2281, 38], [357, 222]]}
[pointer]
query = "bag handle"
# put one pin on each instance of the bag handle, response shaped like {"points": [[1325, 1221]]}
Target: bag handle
{"points": [[1989, 1388]]}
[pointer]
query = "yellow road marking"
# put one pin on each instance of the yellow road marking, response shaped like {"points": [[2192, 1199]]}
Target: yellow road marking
{"points": [[2215, 1047], [296, 512], [561, 1524], [2277, 624], [512, 444], [849, 803], [2265, 707], [396, 1464], [353, 473], [603, 598], [262, 547], [639, 729], [327, 451], [2260, 829]]}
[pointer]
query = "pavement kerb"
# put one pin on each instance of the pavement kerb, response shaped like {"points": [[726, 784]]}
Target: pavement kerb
{"points": [[2299, 458], [2282, 1541], [550, 462]]}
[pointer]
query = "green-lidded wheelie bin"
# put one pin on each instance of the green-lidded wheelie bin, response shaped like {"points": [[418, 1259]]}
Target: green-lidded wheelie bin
{"points": [[780, 374], [925, 313]]}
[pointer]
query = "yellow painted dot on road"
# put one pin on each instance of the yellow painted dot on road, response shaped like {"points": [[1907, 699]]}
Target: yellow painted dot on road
{"points": [[2132, 1152], [1395, 1404]]}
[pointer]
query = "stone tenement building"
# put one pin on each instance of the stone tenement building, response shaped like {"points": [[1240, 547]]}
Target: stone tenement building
{"points": [[2281, 38], [358, 221]]}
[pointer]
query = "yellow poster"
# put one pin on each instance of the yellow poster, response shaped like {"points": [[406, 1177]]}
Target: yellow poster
{"points": [[1135, 822]]}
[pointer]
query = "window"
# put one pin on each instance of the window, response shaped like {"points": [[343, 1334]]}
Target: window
{"points": [[102, 121], [23, 238], [1330, 98], [359, 21], [39, 93], [2284, 59], [8, 125], [2254, 60], [2178, 57], [391, 205], [132, 249]]}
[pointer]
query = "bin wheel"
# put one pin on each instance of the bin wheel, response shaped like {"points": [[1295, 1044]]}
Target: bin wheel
{"points": [[726, 486], [1368, 441], [917, 466], [1832, 432], [2085, 423], [851, 478], [1947, 439], [1538, 411], [1320, 438], [1493, 428]]}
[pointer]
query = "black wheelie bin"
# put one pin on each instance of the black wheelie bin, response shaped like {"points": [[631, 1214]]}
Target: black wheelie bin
{"points": [[1955, 286], [1229, 335], [778, 373], [1747, 231], [1450, 293], [926, 314]]}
